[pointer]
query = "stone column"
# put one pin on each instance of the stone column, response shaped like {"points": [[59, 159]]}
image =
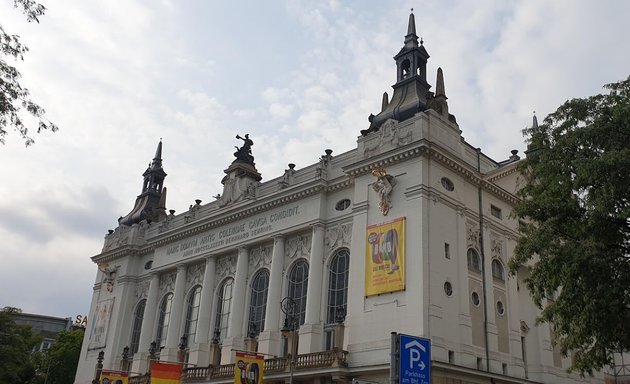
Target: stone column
{"points": [[269, 338], [311, 331], [177, 308], [200, 351], [147, 333], [234, 339]]}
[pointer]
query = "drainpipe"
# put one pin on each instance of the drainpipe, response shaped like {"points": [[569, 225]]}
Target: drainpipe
{"points": [[483, 263]]}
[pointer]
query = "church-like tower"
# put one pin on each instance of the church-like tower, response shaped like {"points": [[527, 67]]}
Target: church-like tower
{"points": [[151, 203], [411, 91]]}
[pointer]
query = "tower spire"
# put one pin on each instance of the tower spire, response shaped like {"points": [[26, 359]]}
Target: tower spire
{"points": [[157, 160], [411, 40], [151, 203]]}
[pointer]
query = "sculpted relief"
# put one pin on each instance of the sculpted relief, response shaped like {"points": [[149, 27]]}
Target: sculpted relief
{"points": [[298, 246], [338, 235]]}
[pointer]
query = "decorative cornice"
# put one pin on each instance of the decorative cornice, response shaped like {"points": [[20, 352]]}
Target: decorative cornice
{"points": [[504, 172], [344, 183], [401, 154], [130, 250]]}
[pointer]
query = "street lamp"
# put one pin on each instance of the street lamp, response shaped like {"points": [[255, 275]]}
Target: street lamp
{"points": [[288, 306]]}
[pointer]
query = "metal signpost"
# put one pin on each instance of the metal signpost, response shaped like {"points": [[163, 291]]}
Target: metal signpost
{"points": [[414, 360]]}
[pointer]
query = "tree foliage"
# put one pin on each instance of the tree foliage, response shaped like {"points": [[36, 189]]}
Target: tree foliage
{"points": [[62, 359], [16, 344], [575, 227], [15, 101]]}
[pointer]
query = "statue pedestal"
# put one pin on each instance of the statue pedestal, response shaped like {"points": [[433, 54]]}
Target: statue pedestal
{"points": [[239, 183]]}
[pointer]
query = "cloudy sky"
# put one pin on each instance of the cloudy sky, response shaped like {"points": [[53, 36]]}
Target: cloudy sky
{"points": [[298, 76]]}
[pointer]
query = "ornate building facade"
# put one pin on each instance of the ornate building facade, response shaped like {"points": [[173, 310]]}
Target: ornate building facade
{"points": [[409, 232]]}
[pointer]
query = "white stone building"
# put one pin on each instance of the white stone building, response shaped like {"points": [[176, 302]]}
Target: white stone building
{"points": [[211, 280]]}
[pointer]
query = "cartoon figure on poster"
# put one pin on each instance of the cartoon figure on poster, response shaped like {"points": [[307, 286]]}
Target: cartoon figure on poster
{"points": [[385, 248], [385, 257]]}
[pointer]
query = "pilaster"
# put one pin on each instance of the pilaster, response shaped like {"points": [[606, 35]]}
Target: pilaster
{"points": [[269, 339], [177, 309], [311, 331], [235, 337], [199, 352]]}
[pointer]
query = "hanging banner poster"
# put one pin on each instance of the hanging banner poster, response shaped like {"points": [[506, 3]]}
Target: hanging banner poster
{"points": [[248, 368], [114, 377], [385, 257], [165, 373], [100, 324]]}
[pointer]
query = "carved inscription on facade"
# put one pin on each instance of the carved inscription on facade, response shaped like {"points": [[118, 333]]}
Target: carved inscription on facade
{"points": [[233, 233]]}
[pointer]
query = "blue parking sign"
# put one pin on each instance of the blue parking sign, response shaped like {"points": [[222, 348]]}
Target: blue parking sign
{"points": [[415, 360]]}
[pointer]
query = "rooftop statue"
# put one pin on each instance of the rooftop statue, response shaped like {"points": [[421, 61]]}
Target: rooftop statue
{"points": [[244, 153]]}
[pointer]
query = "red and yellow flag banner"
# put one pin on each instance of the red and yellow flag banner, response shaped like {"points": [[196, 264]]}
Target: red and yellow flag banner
{"points": [[114, 377], [165, 373], [249, 368], [385, 257]]}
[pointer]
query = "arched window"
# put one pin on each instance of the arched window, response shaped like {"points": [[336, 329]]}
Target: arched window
{"points": [[258, 303], [338, 286], [164, 318], [298, 284], [224, 302], [192, 314], [497, 270], [474, 262], [136, 328]]}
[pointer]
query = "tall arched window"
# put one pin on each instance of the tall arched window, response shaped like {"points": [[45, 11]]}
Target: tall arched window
{"points": [[497, 270], [298, 284], [224, 302], [136, 327], [474, 262], [258, 302], [164, 318], [192, 314], [338, 286]]}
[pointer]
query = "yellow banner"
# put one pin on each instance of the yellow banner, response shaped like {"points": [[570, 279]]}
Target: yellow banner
{"points": [[249, 368], [385, 257], [114, 377]]}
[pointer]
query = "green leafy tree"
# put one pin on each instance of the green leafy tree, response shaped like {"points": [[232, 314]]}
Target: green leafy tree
{"points": [[15, 101], [16, 344], [59, 363], [575, 227]]}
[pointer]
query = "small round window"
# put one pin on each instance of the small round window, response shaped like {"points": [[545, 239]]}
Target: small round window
{"points": [[448, 289], [447, 184], [475, 299], [500, 308], [148, 264], [342, 204]]}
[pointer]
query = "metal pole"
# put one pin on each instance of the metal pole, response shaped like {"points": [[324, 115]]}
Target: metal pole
{"points": [[393, 359], [288, 307], [292, 361]]}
